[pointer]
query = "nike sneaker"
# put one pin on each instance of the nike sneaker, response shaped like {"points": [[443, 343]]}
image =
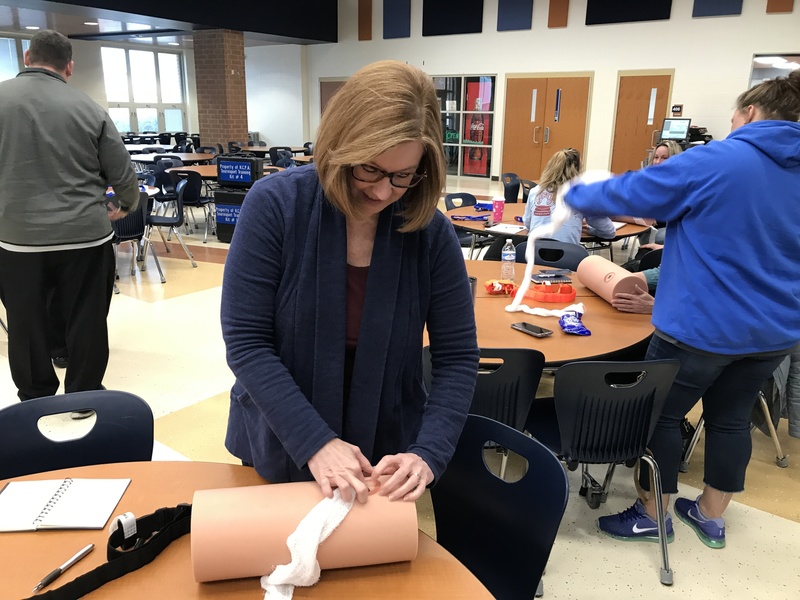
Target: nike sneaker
{"points": [[634, 525], [710, 531]]}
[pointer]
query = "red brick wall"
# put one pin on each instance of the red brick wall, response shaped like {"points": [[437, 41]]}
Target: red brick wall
{"points": [[221, 91]]}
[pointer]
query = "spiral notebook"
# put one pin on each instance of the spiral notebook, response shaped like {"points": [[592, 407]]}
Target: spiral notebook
{"points": [[59, 503]]}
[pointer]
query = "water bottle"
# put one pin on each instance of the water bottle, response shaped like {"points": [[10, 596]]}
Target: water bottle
{"points": [[509, 257]]}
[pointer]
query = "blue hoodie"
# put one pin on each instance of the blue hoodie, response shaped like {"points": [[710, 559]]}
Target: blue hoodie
{"points": [[730, 277]]}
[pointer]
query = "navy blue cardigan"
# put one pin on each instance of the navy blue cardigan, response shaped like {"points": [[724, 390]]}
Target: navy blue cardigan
{"points": [[283, 321]]}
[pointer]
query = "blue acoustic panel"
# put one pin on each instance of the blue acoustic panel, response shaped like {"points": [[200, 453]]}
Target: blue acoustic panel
{"points": [[396, 19], [601, 12], [716, 8], [513, 15], [448, 17]]}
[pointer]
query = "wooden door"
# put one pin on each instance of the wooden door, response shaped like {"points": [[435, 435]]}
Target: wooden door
{"points": [[641, 107], [524, 126], [564, 116], [542, 115]]}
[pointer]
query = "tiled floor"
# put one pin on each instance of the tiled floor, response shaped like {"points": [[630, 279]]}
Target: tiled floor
{"points": [[167, 347]]}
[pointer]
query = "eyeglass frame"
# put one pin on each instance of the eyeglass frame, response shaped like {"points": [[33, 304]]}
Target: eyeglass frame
{"points": [[384, 174]]}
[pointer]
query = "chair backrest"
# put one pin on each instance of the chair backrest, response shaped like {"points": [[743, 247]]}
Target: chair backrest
{"points": [[502, 532], [607, 410], [309, 146], [285, 159], [510, 187], [180, 136], [206, 150], [122, 432], [153, 150], [451, 201], [234, 147], [527, 186], [552, 253], [651, 260], [504, 390], [274, 157], [165, 138], [146, 178], [190, 194], [132, 226], [184, 146]]}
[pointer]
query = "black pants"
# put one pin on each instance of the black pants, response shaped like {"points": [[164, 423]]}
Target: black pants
{"points": [[83, 282]]}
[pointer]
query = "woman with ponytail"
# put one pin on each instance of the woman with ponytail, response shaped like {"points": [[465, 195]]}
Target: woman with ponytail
{"points": [[728, 296]]}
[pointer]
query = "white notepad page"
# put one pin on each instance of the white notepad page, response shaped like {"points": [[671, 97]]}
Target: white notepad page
{"points": [[59, 503]]}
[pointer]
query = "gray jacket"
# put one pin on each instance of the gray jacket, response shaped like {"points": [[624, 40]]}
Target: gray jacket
{"points": [[59, 151]]}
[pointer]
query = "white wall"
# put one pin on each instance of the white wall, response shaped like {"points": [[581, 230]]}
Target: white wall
{"points": [[711, 58], [275, 99]]}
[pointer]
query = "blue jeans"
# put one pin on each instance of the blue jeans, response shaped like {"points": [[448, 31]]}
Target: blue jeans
{"points": [[728, 385]]}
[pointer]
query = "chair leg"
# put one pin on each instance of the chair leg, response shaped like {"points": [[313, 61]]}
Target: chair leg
{"points": [[687, 456], [134, 250], [158, 266], [666, 572], [185, 248], [780, 458], [3, 325]]}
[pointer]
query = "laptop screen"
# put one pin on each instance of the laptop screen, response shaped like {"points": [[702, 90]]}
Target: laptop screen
{"points": [[675, 129]]}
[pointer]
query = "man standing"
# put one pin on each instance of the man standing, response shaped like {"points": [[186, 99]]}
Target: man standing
{"points": [[60, 151]]}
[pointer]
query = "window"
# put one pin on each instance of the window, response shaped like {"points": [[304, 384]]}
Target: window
{"points": [[467, 108], [145, 89], [10, 58]]}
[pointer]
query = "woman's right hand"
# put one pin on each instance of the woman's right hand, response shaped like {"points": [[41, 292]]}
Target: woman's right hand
{"points": [[341, 465]]}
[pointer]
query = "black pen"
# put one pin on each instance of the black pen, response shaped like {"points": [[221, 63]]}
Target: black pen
{"points": [[58, 571]]}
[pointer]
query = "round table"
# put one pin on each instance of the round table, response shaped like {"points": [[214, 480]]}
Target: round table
{"points": [[28, 556], [613, 332], [517, 209]]}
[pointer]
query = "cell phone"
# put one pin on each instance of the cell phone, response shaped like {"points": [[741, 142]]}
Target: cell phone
{"points": [[553, 272], [531, 329]]}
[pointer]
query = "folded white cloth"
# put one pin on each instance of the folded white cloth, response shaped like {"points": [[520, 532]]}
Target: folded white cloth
{"points": [[303, 542]]}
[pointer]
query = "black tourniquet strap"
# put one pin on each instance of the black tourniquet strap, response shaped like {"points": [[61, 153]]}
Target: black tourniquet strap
{"points": [[154, 532]]}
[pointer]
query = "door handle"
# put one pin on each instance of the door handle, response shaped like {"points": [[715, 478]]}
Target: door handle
{"points": [[546, 135], [653, 136], [534, 133]]}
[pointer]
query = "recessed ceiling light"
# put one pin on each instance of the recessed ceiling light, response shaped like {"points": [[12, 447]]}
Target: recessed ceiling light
{"points": [[173, 44], [32, 27], [90, 23]]}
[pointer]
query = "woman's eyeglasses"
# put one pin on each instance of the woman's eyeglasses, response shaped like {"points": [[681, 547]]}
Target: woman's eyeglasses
{"points": [[401, 179]]}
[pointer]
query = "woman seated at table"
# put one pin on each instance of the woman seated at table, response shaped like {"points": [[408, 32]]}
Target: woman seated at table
{"points": [[563, 166], [334, 271]]}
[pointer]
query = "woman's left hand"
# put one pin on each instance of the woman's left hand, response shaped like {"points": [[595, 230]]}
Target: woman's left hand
{"points": [[410, 475]]}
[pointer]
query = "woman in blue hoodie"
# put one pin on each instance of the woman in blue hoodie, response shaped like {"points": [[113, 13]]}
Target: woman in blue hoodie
{"points": [[728, 296]]}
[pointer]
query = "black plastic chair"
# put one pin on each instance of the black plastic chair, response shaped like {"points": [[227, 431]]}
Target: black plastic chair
{"points": [[552, 253], [165, 139], [153, 150], [511, 187], [180, 136], [173, 222], [206, 150], [502, 532], [527, 185], [472, 241], [604, 412], [309, 146], [506, 386], [274, 155], [195, 137], [193, 195], [131, 228], [122, 432], [651, 260]]}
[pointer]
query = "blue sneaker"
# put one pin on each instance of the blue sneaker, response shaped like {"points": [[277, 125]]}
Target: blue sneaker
{"points": [[634, 525], [710, 531]]}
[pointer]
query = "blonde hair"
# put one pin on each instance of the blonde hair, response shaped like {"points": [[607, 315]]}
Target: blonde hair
{"points": [[672, 147], [778, 99], [562, 166], [382, 105]]}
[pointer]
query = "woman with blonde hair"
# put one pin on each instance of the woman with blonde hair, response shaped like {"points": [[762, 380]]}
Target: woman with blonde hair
{"points": [[665, 150], [563, 166], [334, 271]]}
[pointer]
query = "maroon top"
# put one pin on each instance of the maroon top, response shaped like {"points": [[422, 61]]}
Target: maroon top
{"points": [[356, 289]]}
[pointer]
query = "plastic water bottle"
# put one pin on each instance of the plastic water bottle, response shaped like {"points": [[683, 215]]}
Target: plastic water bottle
{"points": [[509, 257]]}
